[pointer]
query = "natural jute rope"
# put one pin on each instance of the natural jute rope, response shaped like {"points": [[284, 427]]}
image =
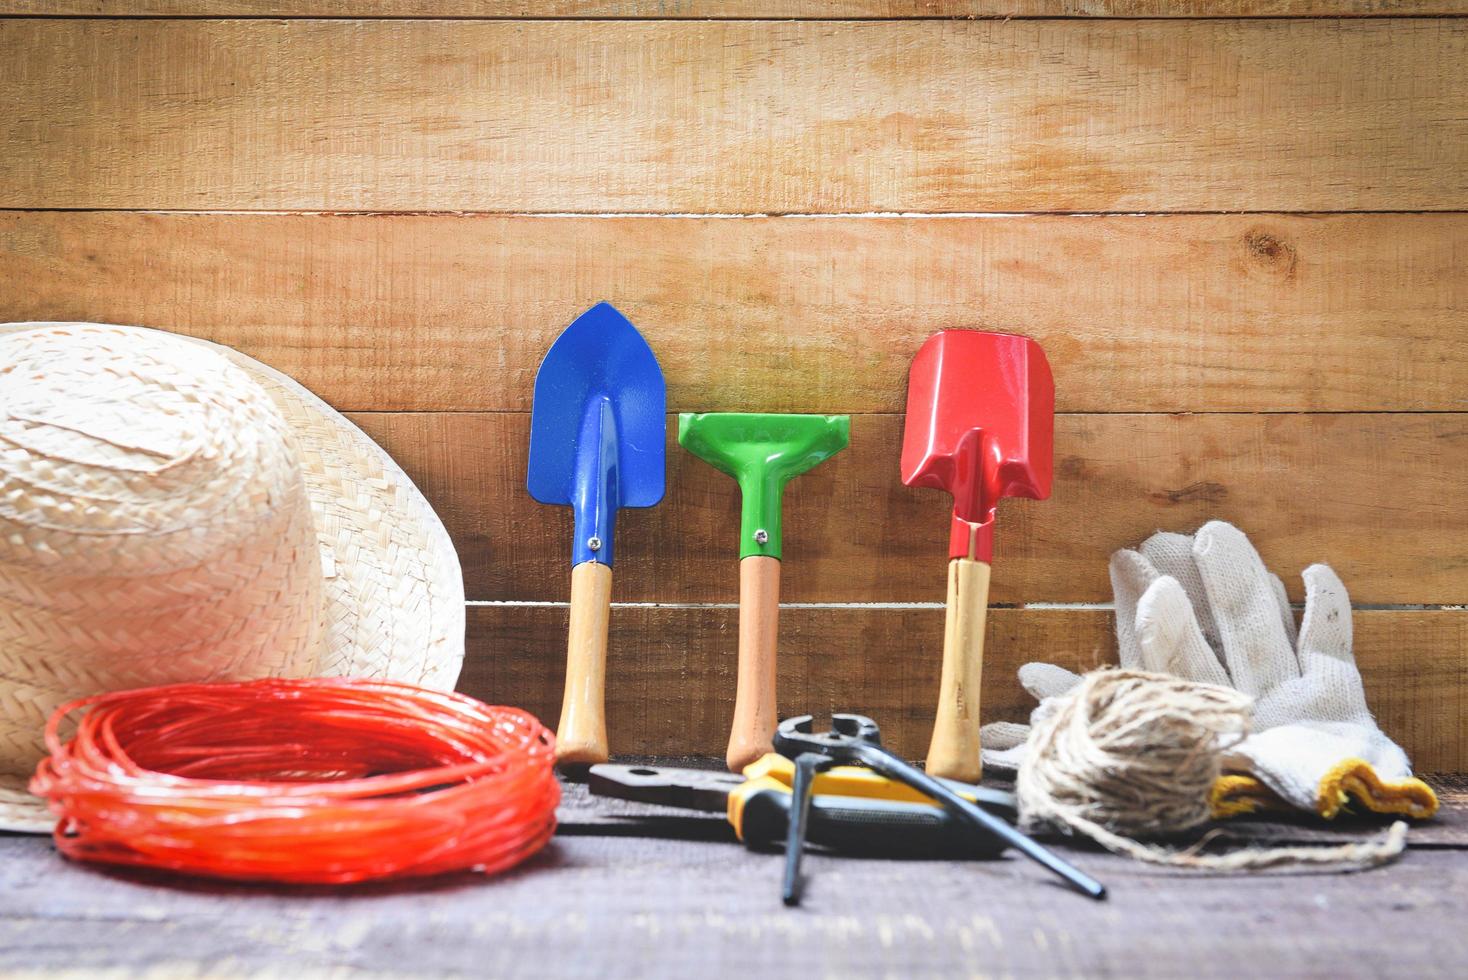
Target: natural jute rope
{"points": [[1132, 754]]}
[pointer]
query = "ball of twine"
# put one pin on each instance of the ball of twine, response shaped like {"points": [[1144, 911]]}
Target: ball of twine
{"points": [[1130, 754]]}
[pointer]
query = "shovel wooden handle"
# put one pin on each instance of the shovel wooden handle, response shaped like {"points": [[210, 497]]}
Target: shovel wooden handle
{"points": [[954, 751], [581, 738], [754, 700]]}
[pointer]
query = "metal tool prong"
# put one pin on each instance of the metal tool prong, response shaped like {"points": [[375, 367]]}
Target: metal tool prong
{"points": [[806, 767]]}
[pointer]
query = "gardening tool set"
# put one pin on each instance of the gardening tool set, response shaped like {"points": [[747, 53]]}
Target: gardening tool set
{"points": [[980, 421], [979, 425]]}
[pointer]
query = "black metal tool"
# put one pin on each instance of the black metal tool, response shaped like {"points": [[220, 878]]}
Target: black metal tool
{"points": [[852, 811], [807, 765], [856, 739]]}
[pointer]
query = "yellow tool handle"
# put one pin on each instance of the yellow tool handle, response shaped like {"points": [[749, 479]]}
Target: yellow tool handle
{"points": [[857, 811], [857, 782], [581, 737], [754, 699], [954, 751]]}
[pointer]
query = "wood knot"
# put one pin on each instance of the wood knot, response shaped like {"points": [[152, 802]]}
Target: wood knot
{"points": [[1072, 467], [1204, 490], [1272, 252]]}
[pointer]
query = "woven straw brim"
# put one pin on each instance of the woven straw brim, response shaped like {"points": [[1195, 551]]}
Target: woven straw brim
{"points": [[394, 592]]}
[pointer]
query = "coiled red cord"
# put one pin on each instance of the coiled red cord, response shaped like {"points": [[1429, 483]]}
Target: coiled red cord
{"points": [[311, 781]]}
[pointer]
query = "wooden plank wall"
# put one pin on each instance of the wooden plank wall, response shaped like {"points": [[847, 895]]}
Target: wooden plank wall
{"points": [[1239, 228]]}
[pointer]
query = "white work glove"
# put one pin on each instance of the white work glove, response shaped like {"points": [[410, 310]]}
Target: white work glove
{"points": [[1204, 608]]}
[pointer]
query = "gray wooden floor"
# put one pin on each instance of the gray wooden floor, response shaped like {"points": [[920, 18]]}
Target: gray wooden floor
{"points": [[603, 901]]}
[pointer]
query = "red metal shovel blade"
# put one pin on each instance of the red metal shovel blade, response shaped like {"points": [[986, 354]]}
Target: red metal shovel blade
{"points": [[981, 425]]}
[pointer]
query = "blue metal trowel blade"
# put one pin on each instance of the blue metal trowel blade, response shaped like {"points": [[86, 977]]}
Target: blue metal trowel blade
{"points": [[597, 427]]}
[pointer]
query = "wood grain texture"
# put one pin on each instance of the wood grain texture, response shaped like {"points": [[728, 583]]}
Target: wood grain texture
{"points": [[671, 670], [1159, 313], [1383, 498], [755, 717], [631, 907], [953, 752], [720, 116], [734, 9], [581, 735]]}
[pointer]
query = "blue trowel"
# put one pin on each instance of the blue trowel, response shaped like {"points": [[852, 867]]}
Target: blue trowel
{"points": [[597, 431]]}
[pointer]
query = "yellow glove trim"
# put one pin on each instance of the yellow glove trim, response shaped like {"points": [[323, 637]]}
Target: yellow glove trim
{"points": [[1235, 794], [1410, 797]]}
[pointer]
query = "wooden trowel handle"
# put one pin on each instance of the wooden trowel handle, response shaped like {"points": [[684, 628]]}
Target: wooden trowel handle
{"points": [[954, 752], [754, 700], [581, 738]]}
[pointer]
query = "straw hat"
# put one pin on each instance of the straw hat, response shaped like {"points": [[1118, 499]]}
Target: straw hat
{"points": [[171, 510]]}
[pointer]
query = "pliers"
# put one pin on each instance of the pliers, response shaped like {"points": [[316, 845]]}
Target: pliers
{"points": [[856, 740], [852, 810]]}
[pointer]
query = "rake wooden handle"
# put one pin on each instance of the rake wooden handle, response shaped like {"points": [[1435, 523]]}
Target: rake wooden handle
{"points": [[754, 699], [581, 737], [954, 751]]}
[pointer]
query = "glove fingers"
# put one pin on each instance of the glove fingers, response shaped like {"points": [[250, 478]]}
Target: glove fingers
{"points": [[1131, 574], [1286, 614], [1003, 760], [1170, 639], [1256, 650], [1047, 680], [1325, 631], [1001, 735], [1003, 742], [1172, 554]]}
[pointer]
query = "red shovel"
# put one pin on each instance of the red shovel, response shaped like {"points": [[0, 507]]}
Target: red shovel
{"points": [[981, 425]]}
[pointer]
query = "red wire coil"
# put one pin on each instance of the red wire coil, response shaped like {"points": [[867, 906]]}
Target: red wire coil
{"points": [[307, 781]]}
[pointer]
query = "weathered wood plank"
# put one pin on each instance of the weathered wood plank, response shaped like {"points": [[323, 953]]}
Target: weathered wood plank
{"points": [[671, 670], [1067, 115], [609, 908], [734, 9], [1384, 498], [1158, 313]]}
